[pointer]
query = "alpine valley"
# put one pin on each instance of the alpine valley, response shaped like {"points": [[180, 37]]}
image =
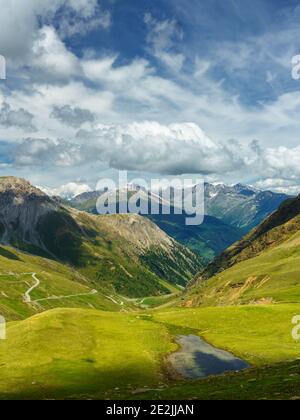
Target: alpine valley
{"points": [[96, 306]]}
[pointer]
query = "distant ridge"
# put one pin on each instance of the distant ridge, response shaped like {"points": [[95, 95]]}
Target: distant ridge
{"points": [[231, 212], [241, 206]]}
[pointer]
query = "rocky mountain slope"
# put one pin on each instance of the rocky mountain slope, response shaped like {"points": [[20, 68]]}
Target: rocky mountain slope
{"points": [[128, 255], [241, 206], [21, 207]]}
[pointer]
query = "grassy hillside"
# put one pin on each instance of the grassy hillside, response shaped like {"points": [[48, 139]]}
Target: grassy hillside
{"points": [[262, 268], [60, 286], [272, 277], [75, 353], [276, 229]]}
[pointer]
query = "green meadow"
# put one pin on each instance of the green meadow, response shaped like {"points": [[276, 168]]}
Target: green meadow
{"points": [[66, 353], [79, 353], [261, 335]]}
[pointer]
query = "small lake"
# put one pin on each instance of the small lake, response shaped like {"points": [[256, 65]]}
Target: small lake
{"points": [[197, 359]]}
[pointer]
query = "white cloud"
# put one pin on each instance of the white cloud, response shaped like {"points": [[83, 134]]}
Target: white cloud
{"points": [[44, 153], [201, 68], [280, 185], [175, 149], [20, 22], [104, 71], [42, 99], [105, 98], [86, 21], [282, 162], [147, 146], [67, 191], [72, 116], [51, 57], [162, 38], [16, 118], [152, 147]]}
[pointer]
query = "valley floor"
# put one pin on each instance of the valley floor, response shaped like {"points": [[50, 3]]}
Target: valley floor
{"points": [[82, 353]]}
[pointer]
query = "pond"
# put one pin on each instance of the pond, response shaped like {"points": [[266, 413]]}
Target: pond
{"points": [[198, 359]]}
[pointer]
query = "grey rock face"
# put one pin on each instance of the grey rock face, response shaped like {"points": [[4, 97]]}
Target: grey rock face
{"points": [[241, 206], [21, 206]]}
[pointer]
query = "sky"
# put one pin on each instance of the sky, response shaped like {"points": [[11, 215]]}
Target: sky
{"points": [[156, 87]]}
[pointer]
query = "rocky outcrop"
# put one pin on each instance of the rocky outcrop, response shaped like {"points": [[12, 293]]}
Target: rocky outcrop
{"points": [[21, 206]]}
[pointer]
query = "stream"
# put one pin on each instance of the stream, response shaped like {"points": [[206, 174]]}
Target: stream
{"points": [[197, 359]]}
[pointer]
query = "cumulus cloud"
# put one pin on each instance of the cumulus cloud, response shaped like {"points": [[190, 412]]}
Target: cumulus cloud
{"points": [[20, 22], [149, 146], [279, 170], [74, 117], [51, 57], [282, 162], [67, 191], [175, 149], [45, 152], [290, 187], [19, 118]]}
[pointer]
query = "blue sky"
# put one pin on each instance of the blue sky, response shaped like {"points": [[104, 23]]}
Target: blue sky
{"points": [[160, 87], [207, 26]]}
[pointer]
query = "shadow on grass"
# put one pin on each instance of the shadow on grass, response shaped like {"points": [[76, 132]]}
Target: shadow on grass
{"points": [[9, 255], [82, 379]]}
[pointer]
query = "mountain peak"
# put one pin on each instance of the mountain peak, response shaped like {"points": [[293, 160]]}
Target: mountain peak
{"points": [[19, 187], [21, 206]]}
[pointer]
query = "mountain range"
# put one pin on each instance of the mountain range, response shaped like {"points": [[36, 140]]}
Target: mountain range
{"points": [[230, 213], [241, 206]]}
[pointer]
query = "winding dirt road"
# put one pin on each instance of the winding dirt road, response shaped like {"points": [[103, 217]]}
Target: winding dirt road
{"points": [[27, 297], [93, 292]]}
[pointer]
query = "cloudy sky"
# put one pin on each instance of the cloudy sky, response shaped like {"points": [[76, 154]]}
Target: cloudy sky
{"points": [[155, 87]]}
